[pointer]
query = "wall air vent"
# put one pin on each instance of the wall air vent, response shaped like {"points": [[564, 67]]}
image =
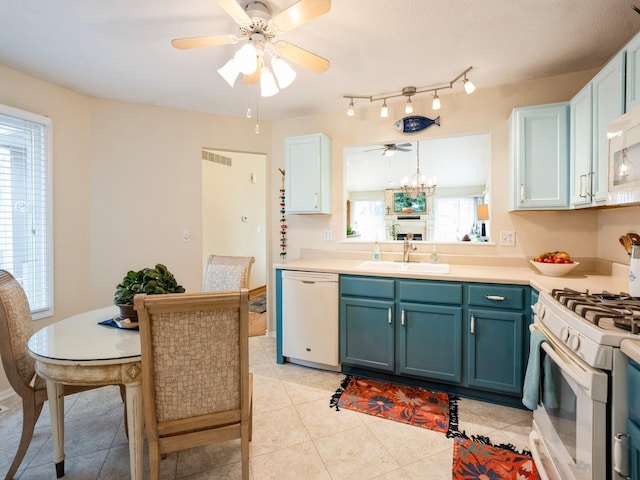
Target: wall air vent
{"points": [[216, 158]]}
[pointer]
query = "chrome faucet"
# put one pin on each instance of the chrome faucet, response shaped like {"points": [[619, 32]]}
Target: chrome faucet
{"points": [[407, 246]]}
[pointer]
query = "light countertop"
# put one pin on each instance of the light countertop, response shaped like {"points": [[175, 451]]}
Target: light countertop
{"points": [[472, 273]]}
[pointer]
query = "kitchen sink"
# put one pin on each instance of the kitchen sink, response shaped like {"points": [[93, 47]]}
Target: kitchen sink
{"points": [[387, 266]]}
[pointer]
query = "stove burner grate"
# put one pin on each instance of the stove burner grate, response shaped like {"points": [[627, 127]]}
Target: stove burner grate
{"points": [[622, 309]]}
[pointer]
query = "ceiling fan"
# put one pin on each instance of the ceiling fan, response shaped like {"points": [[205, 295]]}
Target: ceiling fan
{"points": [[389, 149], [259, 28]]}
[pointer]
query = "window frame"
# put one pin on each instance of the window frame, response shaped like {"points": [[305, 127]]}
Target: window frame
{"points": [[47, 123]]}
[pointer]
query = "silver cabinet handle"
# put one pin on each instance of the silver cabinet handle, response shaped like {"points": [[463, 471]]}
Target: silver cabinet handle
{"points": [[402, 317], [522, 193], [389, 315], [590, 175], [315, 200], [473, 324], [582, 187], [495, 298]]}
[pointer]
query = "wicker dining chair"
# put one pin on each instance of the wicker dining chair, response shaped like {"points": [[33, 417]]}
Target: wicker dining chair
{"points": [[226, 273], [16, 327], [196, 384]]}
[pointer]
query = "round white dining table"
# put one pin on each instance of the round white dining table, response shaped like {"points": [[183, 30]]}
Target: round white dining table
{"points": [[79, 351]]}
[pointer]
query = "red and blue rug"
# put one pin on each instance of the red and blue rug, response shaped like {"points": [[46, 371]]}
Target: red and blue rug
{"points": [[412, 405], [474, 458], [477, 459]]}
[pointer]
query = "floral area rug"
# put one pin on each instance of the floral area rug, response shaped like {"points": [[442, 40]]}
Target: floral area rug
{"points": [[414, 406], [477, 459]]}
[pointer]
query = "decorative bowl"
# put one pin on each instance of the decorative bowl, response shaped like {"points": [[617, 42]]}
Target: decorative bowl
{"points": [[554, 269]]}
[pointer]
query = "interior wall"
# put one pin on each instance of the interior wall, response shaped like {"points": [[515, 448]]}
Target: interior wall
{"points": [[229, 194], [126, 185], [486, 110]]}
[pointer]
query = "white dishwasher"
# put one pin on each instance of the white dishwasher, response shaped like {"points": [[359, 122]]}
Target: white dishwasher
{"points": [[310, 318]]}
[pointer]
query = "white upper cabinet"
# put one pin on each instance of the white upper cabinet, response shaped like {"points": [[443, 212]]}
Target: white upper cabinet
{"points": [[580, 145], [633, 73], [608, 105], [539, 157], [308, 174]]}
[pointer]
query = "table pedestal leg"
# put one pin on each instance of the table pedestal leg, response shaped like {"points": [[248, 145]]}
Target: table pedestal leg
{"points": [[135, 425], [55, 395]]}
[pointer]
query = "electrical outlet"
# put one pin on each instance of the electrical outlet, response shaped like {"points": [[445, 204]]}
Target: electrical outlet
{"points": [[327, 235], [508, 239]]}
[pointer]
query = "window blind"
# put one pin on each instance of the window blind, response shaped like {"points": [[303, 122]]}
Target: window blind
{"points": [[25, 205]]}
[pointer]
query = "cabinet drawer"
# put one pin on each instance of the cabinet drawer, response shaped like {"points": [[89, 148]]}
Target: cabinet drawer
{"points": [[430, 292], [367, 286], [497, 296]]}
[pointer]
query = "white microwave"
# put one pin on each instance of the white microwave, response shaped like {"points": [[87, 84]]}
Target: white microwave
{"points": [[623, 183]]}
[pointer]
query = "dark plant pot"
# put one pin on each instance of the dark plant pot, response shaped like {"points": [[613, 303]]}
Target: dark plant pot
{"points": [[127, 311]]}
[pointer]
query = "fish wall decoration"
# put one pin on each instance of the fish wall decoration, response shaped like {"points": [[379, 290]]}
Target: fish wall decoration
{"points": [[415, 123]]}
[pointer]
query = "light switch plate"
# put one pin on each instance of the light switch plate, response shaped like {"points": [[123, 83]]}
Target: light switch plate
{"points": [[508, 239], [327, 235]]}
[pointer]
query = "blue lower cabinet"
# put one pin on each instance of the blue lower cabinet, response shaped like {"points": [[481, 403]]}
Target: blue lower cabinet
{"points": [[633, 430], [466, 336], [366, 333], [495, 350], [430, 341]]}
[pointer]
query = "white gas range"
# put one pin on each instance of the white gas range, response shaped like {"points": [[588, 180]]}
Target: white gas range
{"points": [[583, 405]]}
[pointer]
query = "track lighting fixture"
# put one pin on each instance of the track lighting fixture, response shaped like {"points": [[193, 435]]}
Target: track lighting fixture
{"points": [[436, 102], [384, 111], [351, 111], [408, 108], [408, 92]]}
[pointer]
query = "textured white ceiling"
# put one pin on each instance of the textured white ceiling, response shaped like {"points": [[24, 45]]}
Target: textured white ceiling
{"points": [[120, 49]]}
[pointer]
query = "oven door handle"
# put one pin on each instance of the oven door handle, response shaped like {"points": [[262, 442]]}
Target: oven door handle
{"points": [[572, 369]]}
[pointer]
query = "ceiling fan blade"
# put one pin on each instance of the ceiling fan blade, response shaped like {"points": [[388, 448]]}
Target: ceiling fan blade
{"points": [[235, 11], [404, 145], [374, 149], [198, 42], [402, 149], [302, 57], [299, 13]]}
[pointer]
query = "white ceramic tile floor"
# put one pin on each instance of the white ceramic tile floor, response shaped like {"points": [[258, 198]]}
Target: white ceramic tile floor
{"points": [[295, 435]]}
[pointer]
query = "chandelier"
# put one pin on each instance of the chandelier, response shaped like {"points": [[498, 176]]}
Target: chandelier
{"points": [[418, 186], [409, 92]]}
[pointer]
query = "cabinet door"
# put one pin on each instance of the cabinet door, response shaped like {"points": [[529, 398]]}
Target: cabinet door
{"points": [[580, 138], [608, 104], [494, 357], [366, 333], [633, 73], [307, 174], [540, 162], [634, 449], [429, 341]]}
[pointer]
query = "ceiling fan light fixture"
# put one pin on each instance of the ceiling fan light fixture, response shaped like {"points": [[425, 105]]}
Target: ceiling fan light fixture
{"points": [[388, 152], [246, 59], [285, 75], [436, 102], [268, 85], [229, 71], [384, 111]]}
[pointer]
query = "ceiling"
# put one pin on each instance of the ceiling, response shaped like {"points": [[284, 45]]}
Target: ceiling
{"points": [[119, 49]]}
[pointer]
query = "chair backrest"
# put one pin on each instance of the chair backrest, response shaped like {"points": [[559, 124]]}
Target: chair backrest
{"points": [[195, 355], [16, 327], [226, 273]]}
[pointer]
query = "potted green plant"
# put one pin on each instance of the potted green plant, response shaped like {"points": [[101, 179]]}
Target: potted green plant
{"points": [[151, 281]]}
